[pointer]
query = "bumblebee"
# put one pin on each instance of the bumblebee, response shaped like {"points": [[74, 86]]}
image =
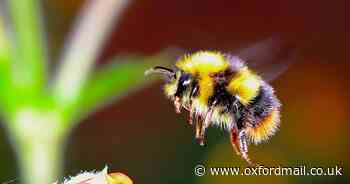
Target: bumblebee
{"points": [[221, 90]]}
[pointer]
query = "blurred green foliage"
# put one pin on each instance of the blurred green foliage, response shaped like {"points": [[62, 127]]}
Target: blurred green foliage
{"points": [[38, 123]]}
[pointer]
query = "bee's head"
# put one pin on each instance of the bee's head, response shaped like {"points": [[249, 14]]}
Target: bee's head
{"points": [[177, 82]]}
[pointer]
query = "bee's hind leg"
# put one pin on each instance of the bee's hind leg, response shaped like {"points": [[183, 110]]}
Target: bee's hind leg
{"points": [[240, 144], [243, 144], [234, 140]]}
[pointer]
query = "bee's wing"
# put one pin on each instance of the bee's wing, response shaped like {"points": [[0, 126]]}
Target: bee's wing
{"points": [[269, 58]]}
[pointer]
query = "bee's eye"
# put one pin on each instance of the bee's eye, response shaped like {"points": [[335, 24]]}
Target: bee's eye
{"points": [[186, 82], [185, 79]]}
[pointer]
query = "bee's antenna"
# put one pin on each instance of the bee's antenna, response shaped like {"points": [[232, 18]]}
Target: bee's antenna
{"points": [[161, 70]]}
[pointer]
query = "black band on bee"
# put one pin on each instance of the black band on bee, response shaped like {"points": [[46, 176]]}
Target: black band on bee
{"points": [[194, 89], [222, 97], [232, 105], [262, 105], [183, 84]]}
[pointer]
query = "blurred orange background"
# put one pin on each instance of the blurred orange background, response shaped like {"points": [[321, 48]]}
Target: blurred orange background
{"points": [[142, 136]]}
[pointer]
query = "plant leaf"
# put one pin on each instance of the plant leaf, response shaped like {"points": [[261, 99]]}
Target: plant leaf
{"points": [[114, 81], [5, 71], [28, 52]]}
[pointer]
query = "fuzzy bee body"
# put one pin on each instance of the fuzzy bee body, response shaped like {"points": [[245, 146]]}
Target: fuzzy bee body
{"points": [[220, 90]]}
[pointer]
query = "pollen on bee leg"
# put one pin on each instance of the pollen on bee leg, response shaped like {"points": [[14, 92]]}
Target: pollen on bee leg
{"points": [[177, 105]]}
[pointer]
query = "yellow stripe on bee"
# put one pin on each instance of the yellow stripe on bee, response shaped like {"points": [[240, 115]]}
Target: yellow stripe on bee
{"points": [[206, 89], [170, 88], [245, 84], [223, 120], [203, 63], [266, 128]]}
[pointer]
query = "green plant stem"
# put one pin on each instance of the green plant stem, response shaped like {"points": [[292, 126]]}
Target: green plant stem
{"points": [[38, 139], [40, 161]]}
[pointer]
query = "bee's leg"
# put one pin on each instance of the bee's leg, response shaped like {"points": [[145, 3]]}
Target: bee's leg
{"points": [[240, 144], [199, 125], [205, 125], [191, 111], [243, 144], [207, 120], [193, 91], [177, 105], [190, 119], [234, 140]]}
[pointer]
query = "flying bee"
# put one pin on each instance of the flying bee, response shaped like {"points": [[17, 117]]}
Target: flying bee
{"points": [[221, 90]]}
